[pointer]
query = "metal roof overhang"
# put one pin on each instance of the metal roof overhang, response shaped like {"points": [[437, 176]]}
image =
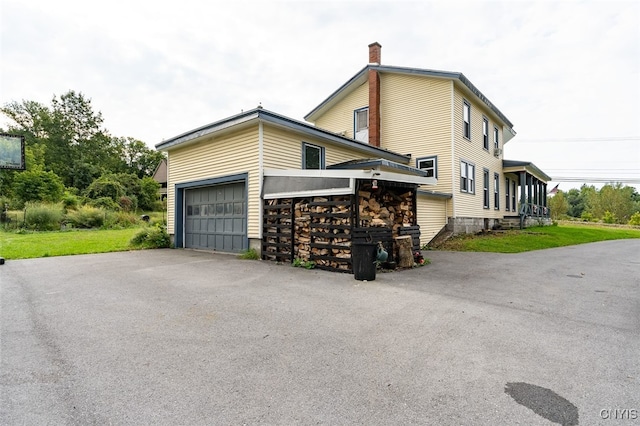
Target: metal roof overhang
{"points": [[345, 180], [379, 164]]}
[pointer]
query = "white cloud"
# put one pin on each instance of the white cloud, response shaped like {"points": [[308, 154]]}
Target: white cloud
{"points": [[557, 69]]}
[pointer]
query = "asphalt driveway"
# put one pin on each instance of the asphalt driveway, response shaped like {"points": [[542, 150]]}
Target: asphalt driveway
{"points": [[190, 338]]}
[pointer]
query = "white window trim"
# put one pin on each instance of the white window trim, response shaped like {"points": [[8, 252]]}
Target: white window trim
{"points": [[435, 164], [360, 134], [485, 133], [304, 155]]}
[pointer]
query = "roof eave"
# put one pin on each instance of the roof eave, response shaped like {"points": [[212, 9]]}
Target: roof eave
{"points": [[357, 78], [276, 119], [513, 166], [361, 75]]}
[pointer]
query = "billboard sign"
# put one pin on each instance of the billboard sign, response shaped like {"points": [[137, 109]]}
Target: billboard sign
{"points": [[11, 152]]}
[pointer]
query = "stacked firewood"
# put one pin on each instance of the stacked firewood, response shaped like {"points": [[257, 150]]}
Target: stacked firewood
{"points": [[277, 229], [302, 231], [385, 209], [330, 229]]}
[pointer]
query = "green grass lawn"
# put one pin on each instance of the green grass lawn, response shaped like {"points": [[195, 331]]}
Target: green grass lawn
{"points": [[537, 238], [44, 244]]}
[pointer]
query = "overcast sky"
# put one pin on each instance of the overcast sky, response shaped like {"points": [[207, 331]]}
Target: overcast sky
{"points": [[565, 73]]}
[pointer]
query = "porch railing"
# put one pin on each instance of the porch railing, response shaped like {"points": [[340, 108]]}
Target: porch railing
{"points": [[534, 210]]}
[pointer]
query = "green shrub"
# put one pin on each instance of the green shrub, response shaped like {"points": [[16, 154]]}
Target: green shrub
{"points": [[86, 217], [106, 186], [121, 220], [70, 202], [43, 217], [586, 217], [609, 217], [31, 185], [307, 264], [635, 219], [128, 203], [151, 237], [250, 254], [103, 203]]}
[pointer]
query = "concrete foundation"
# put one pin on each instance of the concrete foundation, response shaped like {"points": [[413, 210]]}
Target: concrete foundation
{"points": [[471, 225]]}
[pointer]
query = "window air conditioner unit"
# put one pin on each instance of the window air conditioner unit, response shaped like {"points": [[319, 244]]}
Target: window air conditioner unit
{"points": [[497, 152]]}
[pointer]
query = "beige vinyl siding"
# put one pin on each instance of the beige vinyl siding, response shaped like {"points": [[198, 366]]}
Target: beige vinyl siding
{"points": [[415, 119], [336, 154], [471, 205], [340, 117], [212, 158], [283, 149], [432, 216]]}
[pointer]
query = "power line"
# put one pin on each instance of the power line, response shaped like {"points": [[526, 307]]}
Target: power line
{"points": [[596, 179], [600, 139]]}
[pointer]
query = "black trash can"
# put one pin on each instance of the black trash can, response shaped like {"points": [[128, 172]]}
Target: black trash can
{"points": [[363, 260]]}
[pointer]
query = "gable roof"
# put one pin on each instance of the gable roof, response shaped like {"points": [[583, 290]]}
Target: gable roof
{"points": [[260, 114], [160, 174], [362, 76]]}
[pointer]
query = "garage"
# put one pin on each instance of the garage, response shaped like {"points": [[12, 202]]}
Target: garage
{"points": [[216, 217]]}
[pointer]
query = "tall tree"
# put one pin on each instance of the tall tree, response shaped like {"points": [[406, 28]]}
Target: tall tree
{"points": [[137, 157], [615, 199], [558, 205], [576, 201]]}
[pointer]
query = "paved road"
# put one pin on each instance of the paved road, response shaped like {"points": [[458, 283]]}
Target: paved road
{"points": [[189, 338]]}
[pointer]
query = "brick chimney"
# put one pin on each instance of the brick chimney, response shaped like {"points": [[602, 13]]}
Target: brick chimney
{"points": [[375, 53]]}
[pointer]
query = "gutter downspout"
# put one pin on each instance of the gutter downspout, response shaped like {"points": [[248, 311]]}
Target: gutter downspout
{"points": [[453, 152], [260, 178]]}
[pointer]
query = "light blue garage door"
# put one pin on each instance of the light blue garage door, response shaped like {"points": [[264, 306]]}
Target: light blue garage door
{"points": [[216, 217]]}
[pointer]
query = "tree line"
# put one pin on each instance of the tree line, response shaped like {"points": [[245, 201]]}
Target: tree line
{"points": [[69, 153], [613, 203]]}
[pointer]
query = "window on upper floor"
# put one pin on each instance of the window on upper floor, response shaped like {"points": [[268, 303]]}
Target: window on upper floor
{"points": [[496, 191], [429, 165], [485, 188], [467, 177], [312, 157], [485, 133], [496, 138], [361, 124], [466, 120]]}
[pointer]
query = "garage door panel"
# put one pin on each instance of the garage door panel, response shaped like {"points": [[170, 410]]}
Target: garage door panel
{"points": [[216, 217]]}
